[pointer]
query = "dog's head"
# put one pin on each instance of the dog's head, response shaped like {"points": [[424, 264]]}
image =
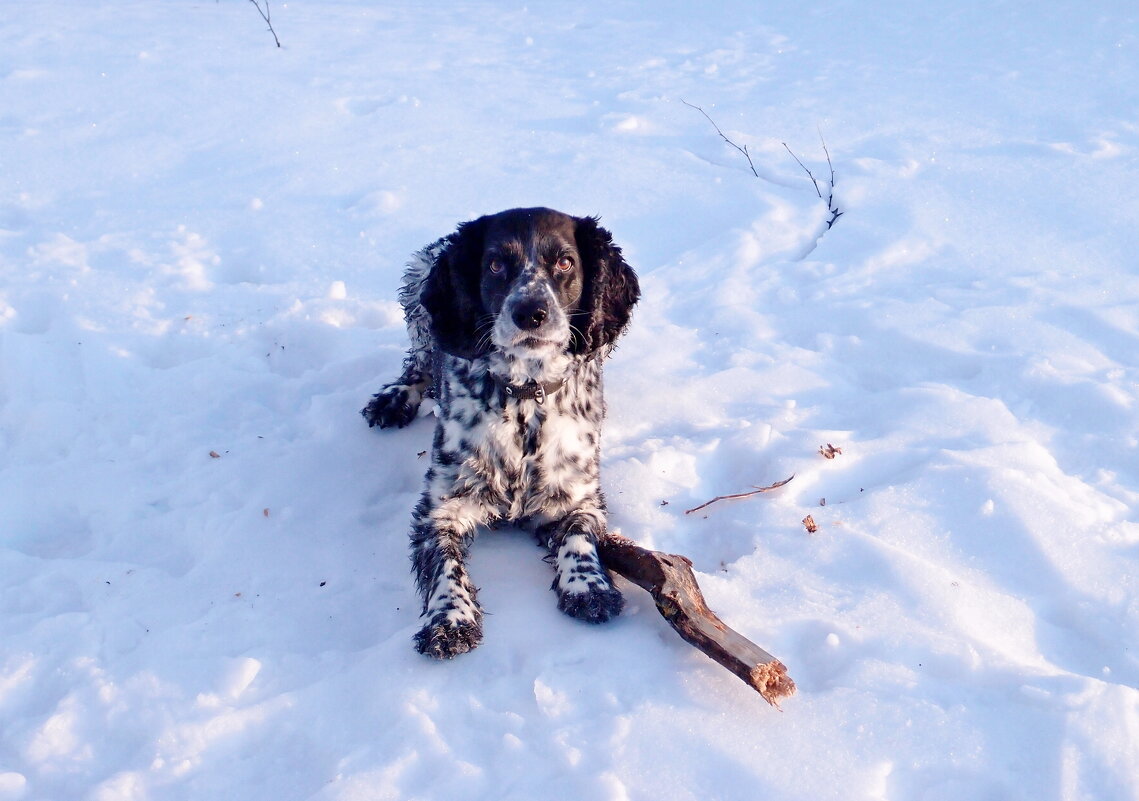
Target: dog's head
{"points": [[527, 282]]}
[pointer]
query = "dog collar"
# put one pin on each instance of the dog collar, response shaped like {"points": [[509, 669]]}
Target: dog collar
{"points": [[532, 390]]}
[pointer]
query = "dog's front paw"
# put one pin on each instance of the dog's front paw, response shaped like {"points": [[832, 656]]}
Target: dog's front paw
{"points": [[446, 640], [598, 604], [394, 406]]}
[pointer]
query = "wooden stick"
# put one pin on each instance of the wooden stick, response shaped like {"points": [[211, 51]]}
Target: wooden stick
{"points": [[748, 494], [671, 582]]}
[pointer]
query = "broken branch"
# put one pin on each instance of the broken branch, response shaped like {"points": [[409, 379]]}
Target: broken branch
{"points": [[734, 496], [672, 584]]}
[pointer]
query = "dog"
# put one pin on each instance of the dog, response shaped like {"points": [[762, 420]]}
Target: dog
{"points": [[510, 320]]}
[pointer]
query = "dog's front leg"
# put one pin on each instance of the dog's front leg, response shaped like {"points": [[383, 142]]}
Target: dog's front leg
{"points": [[397, 403], [450, 608], [441, 533], [582, 584]]}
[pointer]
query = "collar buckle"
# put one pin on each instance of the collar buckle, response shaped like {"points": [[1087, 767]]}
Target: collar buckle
{"points": [[532, 390]]}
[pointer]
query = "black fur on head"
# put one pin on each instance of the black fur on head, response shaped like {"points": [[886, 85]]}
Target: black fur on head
{"points": [[457, 291], [611, 289], [451, 293]]}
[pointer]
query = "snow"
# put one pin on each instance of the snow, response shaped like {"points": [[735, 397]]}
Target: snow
{"points": [[204, 586]]}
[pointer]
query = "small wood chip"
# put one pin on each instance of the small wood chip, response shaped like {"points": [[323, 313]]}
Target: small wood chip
{"points": [[215, 455], [810, 523]]}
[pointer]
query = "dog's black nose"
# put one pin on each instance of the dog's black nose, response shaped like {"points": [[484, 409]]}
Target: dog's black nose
{"points": [[529, 314]]}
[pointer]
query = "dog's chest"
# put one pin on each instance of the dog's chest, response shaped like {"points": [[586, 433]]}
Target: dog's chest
{"points": [[533, 461]]}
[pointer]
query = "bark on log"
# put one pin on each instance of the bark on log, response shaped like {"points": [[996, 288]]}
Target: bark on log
{"points": [[671, 582]]}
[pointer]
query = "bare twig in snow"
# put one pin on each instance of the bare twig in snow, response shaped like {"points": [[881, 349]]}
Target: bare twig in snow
{"points": [[831, 206], [725, 138], [748, 494], [810, 174], [266, 16]]}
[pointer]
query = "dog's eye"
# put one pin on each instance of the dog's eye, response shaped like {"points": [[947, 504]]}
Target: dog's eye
{"points": [[565, 264], [496, 266]]}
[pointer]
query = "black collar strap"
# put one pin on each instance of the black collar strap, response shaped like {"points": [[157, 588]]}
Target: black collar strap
{"points": [[532, 390]]}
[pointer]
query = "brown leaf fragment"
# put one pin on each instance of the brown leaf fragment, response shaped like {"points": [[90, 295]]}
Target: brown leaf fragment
{"points": [[830, 451], [811, 525], [265, 511], [215, 455]]}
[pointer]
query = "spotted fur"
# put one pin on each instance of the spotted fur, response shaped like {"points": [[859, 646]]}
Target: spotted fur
{"points": [[511, 306]]}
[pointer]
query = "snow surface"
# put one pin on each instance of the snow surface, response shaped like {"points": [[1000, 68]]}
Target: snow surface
{"points": [[200, 242]]}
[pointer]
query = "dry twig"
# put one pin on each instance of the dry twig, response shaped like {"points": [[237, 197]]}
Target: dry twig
{"points": [[831, 206], [725, 138], [748, 494], [265, 16]]}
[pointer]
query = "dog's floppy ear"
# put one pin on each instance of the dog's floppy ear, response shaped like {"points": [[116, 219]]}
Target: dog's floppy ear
{"points": [[451, 294], [609, 292]]}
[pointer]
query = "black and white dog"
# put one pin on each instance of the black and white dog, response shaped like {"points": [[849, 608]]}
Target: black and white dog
{"points": [[510, 319]]}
